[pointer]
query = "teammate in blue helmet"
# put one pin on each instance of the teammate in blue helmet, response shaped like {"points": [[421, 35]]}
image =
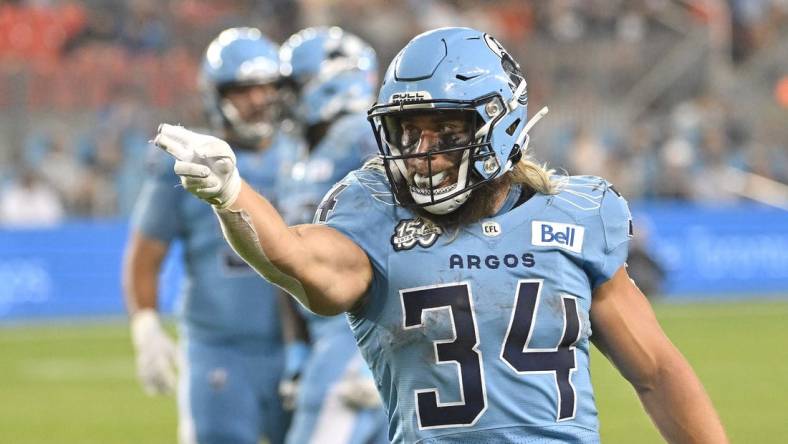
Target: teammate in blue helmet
{"points": [[334, 74], [231, 352], [474, 294], [240, 80]]}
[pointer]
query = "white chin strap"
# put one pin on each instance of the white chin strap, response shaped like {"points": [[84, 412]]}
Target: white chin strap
{"points": [[245, 130], [446, 206], [523, 139]]}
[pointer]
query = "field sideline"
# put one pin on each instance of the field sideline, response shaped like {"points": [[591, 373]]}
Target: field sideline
{"points": [[74, 382]]}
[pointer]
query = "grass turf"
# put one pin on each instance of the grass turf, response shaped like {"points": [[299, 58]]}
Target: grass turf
{"points": [[74, 382]]}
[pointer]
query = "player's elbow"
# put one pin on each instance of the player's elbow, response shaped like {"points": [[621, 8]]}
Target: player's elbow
{"points": [[333, 300], [645, 380], [323, 307]]}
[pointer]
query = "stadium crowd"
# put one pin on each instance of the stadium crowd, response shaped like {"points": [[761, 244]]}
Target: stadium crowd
{"points": [[84, 83]]}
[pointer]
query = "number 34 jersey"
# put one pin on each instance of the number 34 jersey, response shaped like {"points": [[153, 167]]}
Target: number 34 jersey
{"points": [[482, 335]]}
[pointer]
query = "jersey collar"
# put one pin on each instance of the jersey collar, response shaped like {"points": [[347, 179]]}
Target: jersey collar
{"points": [[515, 190]]}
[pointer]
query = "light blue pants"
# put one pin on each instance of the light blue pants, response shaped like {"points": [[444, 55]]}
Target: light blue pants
{"points": [[228, 393]]}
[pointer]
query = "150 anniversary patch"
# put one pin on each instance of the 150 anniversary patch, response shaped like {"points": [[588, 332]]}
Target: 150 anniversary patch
{"points": [[410, 232]]}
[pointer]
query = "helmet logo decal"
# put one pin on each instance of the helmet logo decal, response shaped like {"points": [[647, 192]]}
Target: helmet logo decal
{"points": [[494, 45], [509, 65], [415, 96]]}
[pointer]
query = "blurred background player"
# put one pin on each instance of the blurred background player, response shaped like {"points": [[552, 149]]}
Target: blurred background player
{"points": [[232, 351], [334, 77]]}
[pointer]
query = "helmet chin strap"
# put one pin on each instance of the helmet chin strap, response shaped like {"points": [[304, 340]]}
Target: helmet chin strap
{"points": [[524, 139]]}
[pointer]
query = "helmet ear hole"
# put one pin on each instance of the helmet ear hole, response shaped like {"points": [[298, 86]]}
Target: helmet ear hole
{"points": [[512, 127]]}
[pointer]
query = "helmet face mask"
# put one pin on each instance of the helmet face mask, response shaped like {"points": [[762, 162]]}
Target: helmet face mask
{"points": [[432, 151], [442, 73]]}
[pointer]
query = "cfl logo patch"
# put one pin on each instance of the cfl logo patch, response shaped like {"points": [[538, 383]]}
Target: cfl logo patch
{"points": [[555, 234], [491, 229]]}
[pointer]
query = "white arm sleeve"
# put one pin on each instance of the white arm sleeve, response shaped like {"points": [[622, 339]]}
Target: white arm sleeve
{"points": [[241, 235]]}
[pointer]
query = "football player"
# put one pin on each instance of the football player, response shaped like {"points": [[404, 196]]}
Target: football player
{"points": [[334, 75], [474, 291], [229, 325]]}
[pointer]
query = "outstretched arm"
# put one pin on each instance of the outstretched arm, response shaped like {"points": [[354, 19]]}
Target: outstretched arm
{"points": [[319, 266], [627, 332]]}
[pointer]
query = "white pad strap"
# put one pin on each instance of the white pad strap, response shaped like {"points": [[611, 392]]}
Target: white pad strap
{"points": [[530, 124]]}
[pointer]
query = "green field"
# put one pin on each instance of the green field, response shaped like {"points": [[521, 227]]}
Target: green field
{"points": [[74, 382]]}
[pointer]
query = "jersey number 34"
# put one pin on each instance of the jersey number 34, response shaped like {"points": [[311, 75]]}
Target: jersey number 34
{"points": [[463, 350]]}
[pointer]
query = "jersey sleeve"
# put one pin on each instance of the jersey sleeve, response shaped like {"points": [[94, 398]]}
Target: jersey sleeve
{"points": [[356, 207], [609, 248], [155, 211]]}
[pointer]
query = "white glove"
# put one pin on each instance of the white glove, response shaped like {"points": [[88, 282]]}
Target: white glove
{"points": [[288, 392], [157, 356], [358, 391], [206, 164]]}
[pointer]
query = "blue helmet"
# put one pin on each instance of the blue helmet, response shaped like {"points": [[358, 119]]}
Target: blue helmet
{"points": [[458, 72], [333, 72], [239, 57]]}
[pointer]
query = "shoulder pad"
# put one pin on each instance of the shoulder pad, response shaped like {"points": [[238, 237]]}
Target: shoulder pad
{"points": [[357, 190], [593, 202], [581, 195]]}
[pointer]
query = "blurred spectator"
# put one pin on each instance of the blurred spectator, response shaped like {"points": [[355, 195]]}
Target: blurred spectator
{"points": [[676, 159], [114, 154], [144, 29], [750, 20], [101, 26], [587, 156], [712, 181], [35, 32], [60, 168], [29, 202]]}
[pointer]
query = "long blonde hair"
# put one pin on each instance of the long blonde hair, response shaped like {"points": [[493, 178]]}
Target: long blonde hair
{"points": [[535, 176]]}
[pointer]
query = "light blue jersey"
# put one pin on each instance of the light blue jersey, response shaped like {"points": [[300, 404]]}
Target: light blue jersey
{"points": [[228, 315], [320, 417], [222, 297], [482, 335], [348, 143]]}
